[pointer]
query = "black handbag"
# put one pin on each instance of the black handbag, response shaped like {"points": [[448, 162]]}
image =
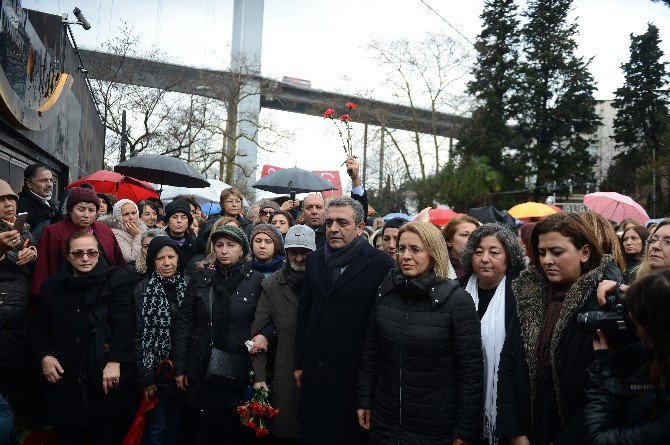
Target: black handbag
{"points": [[227, 368]]}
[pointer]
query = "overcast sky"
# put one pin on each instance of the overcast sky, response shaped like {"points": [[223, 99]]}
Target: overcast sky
{"points": [[324, 42]]}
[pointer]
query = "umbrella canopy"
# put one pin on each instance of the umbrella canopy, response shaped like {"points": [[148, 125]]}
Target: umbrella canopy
{"points": [[615, 207], [531, 210], [390, 216], [491, 214], [293, 180], [439, 217], [163, 170], [121, 186], [211, 208]]}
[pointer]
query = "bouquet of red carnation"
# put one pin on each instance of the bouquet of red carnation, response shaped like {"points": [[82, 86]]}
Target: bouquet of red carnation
{"points": [[256, 412]]}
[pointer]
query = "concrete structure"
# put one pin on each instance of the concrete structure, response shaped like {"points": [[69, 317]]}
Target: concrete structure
{"points": [[602, 145], [47, 113], [273, 93]]}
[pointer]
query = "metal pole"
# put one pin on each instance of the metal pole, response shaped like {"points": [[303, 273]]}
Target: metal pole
{"points": [[365, 150], [653, 181], [123, 136], [381, 162]]}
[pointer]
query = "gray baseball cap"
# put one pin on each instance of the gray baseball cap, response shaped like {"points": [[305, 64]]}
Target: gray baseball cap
{"points": [[300, 236]]}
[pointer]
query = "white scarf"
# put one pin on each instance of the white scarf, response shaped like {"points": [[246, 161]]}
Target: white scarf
{"points": [[493, 338]]}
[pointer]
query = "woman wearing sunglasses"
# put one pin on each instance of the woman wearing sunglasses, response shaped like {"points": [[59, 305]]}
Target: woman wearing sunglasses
{"points": [[82, 334]]}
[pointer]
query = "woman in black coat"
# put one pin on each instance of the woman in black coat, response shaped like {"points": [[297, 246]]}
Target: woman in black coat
{"points": [[82, 334], [216, 318], [543, 366], [157, 301], [18, 377], [492, 258], [627, 399], [421, 373]]}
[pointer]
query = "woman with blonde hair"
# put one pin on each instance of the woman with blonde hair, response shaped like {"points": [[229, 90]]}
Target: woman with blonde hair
{"points": [[423, 350], [657, 255], [609, 241]]}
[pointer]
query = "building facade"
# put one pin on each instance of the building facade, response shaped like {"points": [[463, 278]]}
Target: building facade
{"points": [[47, 112]]}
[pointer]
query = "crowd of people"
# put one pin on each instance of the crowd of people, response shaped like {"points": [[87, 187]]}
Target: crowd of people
{"points": [[362, 330]]}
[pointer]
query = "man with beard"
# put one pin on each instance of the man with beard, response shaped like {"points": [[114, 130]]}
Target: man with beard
{"points": [[314, 206], [279, 305], [36, 196], [341, 282]]}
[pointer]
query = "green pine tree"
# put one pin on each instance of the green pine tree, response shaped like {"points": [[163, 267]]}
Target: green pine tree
{"points": [[555, 103], [495, 77], [642, 119]]}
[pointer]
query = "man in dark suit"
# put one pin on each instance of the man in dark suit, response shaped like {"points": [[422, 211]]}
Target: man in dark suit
{"points": [[36, 196], [341, 282]]}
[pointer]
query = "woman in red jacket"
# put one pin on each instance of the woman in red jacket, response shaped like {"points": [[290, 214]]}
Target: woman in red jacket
{"points": [[82, 207]]}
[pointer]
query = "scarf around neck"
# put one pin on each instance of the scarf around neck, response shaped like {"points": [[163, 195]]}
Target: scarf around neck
{"points": [[268, 267], [294, 277], [338, 260], [493, 338], [156, 338]]}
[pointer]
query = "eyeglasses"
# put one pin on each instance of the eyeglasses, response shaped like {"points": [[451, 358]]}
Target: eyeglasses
{"points": [[665, 242], [412, 249], [232, 201], [267, 212], [89, 253]]}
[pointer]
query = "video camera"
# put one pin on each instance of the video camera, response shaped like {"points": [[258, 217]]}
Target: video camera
{"points": [[613, 318]]}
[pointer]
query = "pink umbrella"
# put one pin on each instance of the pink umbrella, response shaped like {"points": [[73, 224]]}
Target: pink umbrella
{"points": [[615, 207]]}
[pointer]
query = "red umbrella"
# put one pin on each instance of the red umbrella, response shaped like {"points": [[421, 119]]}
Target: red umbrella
{"points": [[134, 434], [121, 186], [439, 217]]}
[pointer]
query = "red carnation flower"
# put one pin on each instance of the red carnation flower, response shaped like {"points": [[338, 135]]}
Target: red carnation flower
{"points": [[272, 412], [345, 118], [329, 112], [350, 105], [241, 410], [262, 432]]}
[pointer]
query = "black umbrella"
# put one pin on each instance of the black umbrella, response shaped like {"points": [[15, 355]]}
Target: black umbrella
{"points": [[491, 214], [163, 170], [293, 180]]}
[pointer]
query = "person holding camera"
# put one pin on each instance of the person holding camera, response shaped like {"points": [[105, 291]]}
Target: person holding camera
{"points": [[627, 401], [543, 365]]}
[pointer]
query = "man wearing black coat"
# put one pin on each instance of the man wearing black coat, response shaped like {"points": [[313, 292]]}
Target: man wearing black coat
{"points": [[341, 281], [36, 196]]}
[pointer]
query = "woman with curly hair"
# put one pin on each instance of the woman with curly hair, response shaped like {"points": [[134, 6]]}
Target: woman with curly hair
{"points": [[492, 259]]}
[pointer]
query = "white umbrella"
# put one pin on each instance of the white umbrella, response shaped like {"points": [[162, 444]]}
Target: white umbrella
{"points": [[202, 195]]}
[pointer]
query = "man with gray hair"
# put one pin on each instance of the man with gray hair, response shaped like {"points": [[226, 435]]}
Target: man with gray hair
{"points": [[341, 282], [36, 196]]}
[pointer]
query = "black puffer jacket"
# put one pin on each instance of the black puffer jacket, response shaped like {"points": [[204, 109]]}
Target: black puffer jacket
{"points": [[14, 292], [612, 418], [422, 369]]}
